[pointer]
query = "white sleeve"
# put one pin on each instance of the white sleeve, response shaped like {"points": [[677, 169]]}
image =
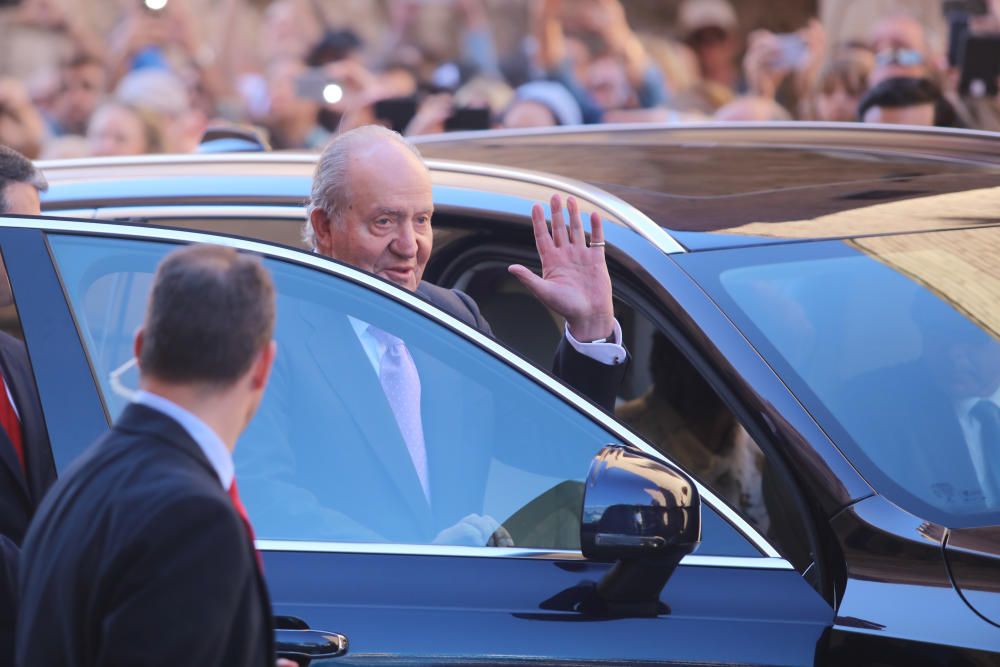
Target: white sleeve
{"points": [[610, 353]]}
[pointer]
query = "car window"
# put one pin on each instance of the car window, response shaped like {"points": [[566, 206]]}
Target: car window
{"points": [[663, 399], [325, 457], [892, 344]]}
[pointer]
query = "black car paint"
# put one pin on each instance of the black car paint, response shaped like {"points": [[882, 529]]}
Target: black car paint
{"points": [[885, 571]]}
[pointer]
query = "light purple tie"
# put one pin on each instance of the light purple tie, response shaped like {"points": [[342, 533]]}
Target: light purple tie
{"points": [[401, 385]]}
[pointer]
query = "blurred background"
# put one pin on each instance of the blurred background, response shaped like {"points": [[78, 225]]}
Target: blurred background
{"points": [[121, 77]]}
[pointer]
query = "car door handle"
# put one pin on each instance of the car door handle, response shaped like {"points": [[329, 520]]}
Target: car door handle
{"points": [[309, 644]]}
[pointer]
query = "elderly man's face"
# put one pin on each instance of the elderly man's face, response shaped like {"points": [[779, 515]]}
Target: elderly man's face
{"points": [[385, 224]]}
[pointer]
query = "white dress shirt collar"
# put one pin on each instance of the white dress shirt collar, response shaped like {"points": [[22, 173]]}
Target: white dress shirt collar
{"points": [[210, 443]]}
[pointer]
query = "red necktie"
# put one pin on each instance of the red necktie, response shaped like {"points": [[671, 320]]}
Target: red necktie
{"points": [[10, 423], [234, 495]]}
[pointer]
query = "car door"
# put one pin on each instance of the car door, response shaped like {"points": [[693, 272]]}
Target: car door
{"points": [[485, 568]]}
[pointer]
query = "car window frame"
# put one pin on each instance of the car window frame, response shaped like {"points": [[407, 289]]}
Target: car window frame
{"points": [[769, 558]]}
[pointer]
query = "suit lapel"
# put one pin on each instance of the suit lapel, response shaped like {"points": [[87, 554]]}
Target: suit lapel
{"points": [[342, 362]]}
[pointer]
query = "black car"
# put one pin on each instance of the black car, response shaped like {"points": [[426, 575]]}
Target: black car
{"points": [[812, 314]]}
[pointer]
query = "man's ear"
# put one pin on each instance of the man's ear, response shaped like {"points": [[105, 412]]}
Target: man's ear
{"points": [[137, 344], [261, 369], [321, 222]]}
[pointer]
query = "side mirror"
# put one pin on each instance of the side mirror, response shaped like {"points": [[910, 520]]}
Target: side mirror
{"points": [[645, 517]]}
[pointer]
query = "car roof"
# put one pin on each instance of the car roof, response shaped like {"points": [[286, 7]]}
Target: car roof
{"points": [[714, 185], [708, 185]]}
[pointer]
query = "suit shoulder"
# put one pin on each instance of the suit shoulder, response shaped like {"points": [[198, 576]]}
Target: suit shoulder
{"points": [[456, 303]]}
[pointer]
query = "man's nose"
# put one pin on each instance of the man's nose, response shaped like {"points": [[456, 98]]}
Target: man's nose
{"points": [[405, 243]]}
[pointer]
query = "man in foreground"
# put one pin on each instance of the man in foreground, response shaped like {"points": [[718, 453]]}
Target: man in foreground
{"points": [[139, 554], [26, 468]]}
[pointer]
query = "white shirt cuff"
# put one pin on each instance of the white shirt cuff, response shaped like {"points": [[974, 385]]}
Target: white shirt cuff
{"points": [[610, 353]]}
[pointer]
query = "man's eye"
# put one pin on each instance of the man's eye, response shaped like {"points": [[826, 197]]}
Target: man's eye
{"points": [[383, 222], [424, 220]]}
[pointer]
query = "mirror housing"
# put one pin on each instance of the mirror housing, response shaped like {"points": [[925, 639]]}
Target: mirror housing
{"points": [[645, 517]]}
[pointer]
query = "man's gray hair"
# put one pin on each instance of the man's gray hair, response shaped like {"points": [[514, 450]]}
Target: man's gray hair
{"points": [[15, 168], [330, 183]]}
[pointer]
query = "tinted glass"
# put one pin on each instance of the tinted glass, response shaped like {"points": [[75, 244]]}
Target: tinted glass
{"points": [[892, 343], [663, 399], [325, 458]]}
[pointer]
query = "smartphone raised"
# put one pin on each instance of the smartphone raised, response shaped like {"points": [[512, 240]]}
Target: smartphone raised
{"points": [[793, 49], [468, 119], [979, 58]]}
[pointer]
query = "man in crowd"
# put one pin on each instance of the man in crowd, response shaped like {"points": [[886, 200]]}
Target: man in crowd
{"points": [[25, 462], [142, 553], [82, 84], [371, 207]]}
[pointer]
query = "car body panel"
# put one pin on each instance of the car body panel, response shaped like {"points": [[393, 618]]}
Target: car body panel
{"points": [[689, 192], [518, 606], [974, 558], [522, 610], [917, 606]]}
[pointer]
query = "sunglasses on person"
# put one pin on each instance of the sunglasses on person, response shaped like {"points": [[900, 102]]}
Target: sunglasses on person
{"points": [[900, 57]]}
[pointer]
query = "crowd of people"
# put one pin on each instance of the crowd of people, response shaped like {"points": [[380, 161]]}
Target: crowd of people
{"points": [[295, 75]]}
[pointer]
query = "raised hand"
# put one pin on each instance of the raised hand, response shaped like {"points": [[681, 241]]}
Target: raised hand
{"points": [[575, 282]]}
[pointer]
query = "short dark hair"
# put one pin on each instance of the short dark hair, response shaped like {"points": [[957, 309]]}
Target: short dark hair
{"points": [[905, 91], [15, 168], [211, 311]]}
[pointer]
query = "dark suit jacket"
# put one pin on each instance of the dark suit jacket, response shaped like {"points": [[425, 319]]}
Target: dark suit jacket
{"points": [[19, 493], [137, 557], [598, 382], [325, 441]]}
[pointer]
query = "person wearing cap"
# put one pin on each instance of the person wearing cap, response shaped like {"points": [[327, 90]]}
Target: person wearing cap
{"points": [[709, 27], [542, 104]]}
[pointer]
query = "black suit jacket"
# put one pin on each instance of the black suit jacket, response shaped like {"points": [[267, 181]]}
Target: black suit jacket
{"points": [[20, 493], [598, 382], [137, 557]]}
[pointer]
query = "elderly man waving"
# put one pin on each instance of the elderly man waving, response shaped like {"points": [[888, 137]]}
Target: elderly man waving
{"points": [[371, 207]]}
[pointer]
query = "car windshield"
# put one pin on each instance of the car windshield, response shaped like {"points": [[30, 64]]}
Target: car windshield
{"points": [[891, 343]]}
